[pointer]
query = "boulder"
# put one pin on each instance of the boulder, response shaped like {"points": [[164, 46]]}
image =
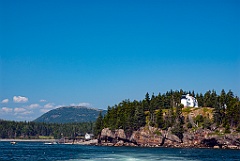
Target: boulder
{"points": [[147, 136], [153, 137], [119, 133], [106, 132]]}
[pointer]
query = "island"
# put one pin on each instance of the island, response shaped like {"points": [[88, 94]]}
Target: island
{"points": [[173, 119]]}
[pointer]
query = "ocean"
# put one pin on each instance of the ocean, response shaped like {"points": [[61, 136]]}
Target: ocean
{"points": [[40, 151]]}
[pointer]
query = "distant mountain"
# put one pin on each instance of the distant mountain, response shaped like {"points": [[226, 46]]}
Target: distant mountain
{"points": [[70, 114]]}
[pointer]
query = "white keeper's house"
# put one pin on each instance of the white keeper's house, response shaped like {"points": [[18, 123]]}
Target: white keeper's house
{"points": [[189, 101]]}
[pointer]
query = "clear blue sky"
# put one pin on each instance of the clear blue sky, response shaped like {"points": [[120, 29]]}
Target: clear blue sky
{"points": [[98, 53]]}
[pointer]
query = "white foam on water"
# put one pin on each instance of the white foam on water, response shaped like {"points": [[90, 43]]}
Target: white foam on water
{"points": [[133, 157]]}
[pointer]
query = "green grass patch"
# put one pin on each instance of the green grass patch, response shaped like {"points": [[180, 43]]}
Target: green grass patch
{"points": [[187, 110], [46, 137], [194, 109], [206, 110]]}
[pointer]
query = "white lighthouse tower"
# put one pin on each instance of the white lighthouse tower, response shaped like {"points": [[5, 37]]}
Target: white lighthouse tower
{"points": [[189, 101]]}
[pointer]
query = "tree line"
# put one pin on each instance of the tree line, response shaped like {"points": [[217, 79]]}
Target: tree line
{"points": [[35, 130], [161, 111], [165, 110]]}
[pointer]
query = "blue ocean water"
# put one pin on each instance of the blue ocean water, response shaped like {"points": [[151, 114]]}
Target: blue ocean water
{"points": [[39, 151]]}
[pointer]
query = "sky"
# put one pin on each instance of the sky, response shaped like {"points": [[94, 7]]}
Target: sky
{"points": [[98, 53]]}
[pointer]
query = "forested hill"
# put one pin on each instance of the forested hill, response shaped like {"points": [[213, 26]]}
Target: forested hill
{"points": [[165, 111], [70, 114]]}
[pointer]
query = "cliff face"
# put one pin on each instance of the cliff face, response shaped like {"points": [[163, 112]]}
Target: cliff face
{"points": [[154, 137], [147, 136]]}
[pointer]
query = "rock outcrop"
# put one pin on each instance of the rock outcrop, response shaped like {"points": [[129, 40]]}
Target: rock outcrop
{"points": [[155, 137]]}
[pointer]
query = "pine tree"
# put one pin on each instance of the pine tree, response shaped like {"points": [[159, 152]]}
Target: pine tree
{"points": [[147, 98], [200, 100], [178, 129], [139, 117], [207, 99], [152, 109], [218, 115], [229, 97], [98, 125], [159, 117], [222, 99]]}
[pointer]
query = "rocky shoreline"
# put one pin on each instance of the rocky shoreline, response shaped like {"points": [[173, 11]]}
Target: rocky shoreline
{"points": [[154, 137]]}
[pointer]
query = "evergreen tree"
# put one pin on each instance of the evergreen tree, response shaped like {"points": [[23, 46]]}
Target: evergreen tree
{"points": [[193, 93], [229, 98], [207, 99], [159, 101], [167, 100], [147, 98], [169, 118], [146, 102], [233, 112], [159, 117], [214, 99], [178, 129], [139, 117], [222, 99], [218, 115], [98, 125], [200, 100], [152, 108]]}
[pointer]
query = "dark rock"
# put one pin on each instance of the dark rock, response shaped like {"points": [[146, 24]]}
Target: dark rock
{"points": [[154, 137], [209, 142]]}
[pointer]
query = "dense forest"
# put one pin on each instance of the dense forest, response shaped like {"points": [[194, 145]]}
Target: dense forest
{"points": [[33, 130], [161, 111], [164, 111]]}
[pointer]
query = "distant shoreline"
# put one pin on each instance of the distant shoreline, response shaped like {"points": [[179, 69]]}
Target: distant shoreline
{"points": [[90, 142], [29, 140]]}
